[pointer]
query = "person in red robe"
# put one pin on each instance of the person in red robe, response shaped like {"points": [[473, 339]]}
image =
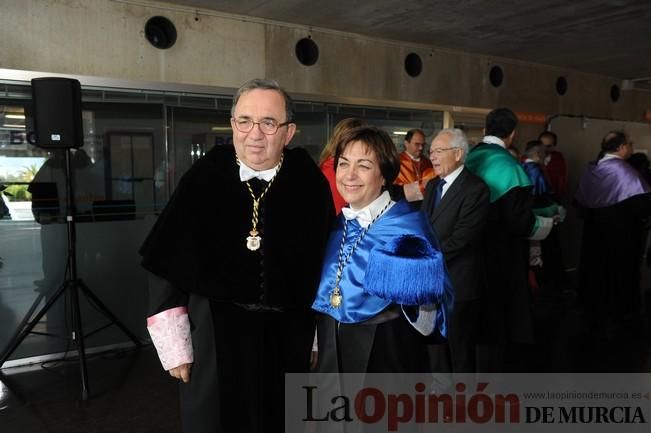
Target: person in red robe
{"points": [[327, 159], [555, 165]]}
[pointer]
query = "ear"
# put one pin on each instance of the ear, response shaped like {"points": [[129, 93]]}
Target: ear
{"points": [[291, 130], [509, 139], [459, 155]]}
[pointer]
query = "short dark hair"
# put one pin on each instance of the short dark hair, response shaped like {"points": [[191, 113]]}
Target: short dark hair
{"points": [[534, 148], [340, 128], [413, 131], [263, 84], [549, 134], [377, 141], [531, 144], [613, 140], [501, 122]]}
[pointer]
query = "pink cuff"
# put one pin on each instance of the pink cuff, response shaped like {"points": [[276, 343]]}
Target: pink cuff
{"points": [[170, 333]]}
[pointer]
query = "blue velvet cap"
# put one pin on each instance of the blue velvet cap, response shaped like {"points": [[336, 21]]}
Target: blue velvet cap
{"points": [[406, 270]]}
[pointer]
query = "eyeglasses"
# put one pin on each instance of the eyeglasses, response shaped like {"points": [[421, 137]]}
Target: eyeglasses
{"points": [[440, 151], [267, 126]]}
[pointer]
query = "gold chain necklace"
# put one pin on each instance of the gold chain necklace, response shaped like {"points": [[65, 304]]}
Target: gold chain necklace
{"points": [[253, 241], [335, 295]]}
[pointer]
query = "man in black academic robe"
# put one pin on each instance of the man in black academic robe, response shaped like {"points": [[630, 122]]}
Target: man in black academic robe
{"points": [[245, 274], [615, 204], [507, 310]]}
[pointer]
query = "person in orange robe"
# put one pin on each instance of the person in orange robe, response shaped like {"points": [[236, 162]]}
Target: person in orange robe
{"points": [[415, 170]]}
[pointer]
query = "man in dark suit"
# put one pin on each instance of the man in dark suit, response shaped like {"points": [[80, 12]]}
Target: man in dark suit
{"points": [[456, 204]]}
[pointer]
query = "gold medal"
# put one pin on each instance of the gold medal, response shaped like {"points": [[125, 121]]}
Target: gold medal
{"points": [[253, 241], [335, 298]]}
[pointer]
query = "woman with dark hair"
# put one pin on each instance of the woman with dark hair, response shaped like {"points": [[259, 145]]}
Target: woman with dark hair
{"points": [[384, 281], [327, 158], [640, 162], [615, 204]]}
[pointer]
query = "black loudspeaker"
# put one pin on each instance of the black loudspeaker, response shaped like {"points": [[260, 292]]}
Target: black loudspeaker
{"points": [[57, 113]]}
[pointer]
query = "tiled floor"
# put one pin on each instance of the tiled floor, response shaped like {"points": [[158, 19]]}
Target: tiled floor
{"points": [[129, 393]]}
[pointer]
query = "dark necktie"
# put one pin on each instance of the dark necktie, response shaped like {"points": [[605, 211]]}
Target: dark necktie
{"points": [[439, 192]]}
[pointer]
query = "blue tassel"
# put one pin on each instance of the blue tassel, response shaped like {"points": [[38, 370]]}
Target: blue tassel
{"points": [[406, 270]]}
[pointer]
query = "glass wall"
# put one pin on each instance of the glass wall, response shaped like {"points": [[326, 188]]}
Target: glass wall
{"points": [[137, 145]]}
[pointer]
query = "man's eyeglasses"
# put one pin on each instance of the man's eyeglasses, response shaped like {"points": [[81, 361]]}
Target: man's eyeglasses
{"points": [[267, 126], [440, 151]]}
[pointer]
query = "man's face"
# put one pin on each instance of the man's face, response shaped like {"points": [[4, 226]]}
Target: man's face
{"points": [[548, 142], [416, 145], [255, 149], [445, 159], [626, 150]]}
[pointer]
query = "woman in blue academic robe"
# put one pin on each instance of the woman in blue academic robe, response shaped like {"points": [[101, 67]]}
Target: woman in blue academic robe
{"points": [[384, 285]]}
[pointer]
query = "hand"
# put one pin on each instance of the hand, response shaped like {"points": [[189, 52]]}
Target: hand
{"points": [[182, 372], [562, 213], [412, 191], [535, 254]]}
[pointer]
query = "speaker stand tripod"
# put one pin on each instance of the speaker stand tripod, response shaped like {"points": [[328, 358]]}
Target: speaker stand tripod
{"points": [[72, 284]]}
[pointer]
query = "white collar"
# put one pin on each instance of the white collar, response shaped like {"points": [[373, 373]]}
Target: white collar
{"points": [[368, 213], [610, 156], [494, 140], [247, 173], [452, 177]]}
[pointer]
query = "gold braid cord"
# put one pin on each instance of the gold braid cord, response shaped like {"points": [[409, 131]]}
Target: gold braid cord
{"points": [[253, 241]]}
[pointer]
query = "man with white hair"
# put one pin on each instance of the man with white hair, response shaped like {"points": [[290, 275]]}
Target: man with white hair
{"points": [[456, 204]]}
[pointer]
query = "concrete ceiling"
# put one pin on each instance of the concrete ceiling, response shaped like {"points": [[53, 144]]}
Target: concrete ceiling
{"points": [[607, 37]]}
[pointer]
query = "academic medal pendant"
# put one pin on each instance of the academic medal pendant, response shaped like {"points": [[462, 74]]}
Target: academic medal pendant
{"points": [[253, 241], [335, 298]]}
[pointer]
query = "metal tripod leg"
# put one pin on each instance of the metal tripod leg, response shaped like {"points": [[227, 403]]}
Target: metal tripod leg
{"points": [[26, 325], [78, 338], [104, 309]]}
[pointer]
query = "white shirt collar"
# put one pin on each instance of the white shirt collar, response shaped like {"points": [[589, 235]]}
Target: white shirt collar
{"points": [[367, 214], [610, 156], [412, 157], [494, 140], [451, 178], [247, 173]]}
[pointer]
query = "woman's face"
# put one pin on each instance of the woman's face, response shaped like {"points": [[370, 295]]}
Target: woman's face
{"points": [[359, 179]]}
